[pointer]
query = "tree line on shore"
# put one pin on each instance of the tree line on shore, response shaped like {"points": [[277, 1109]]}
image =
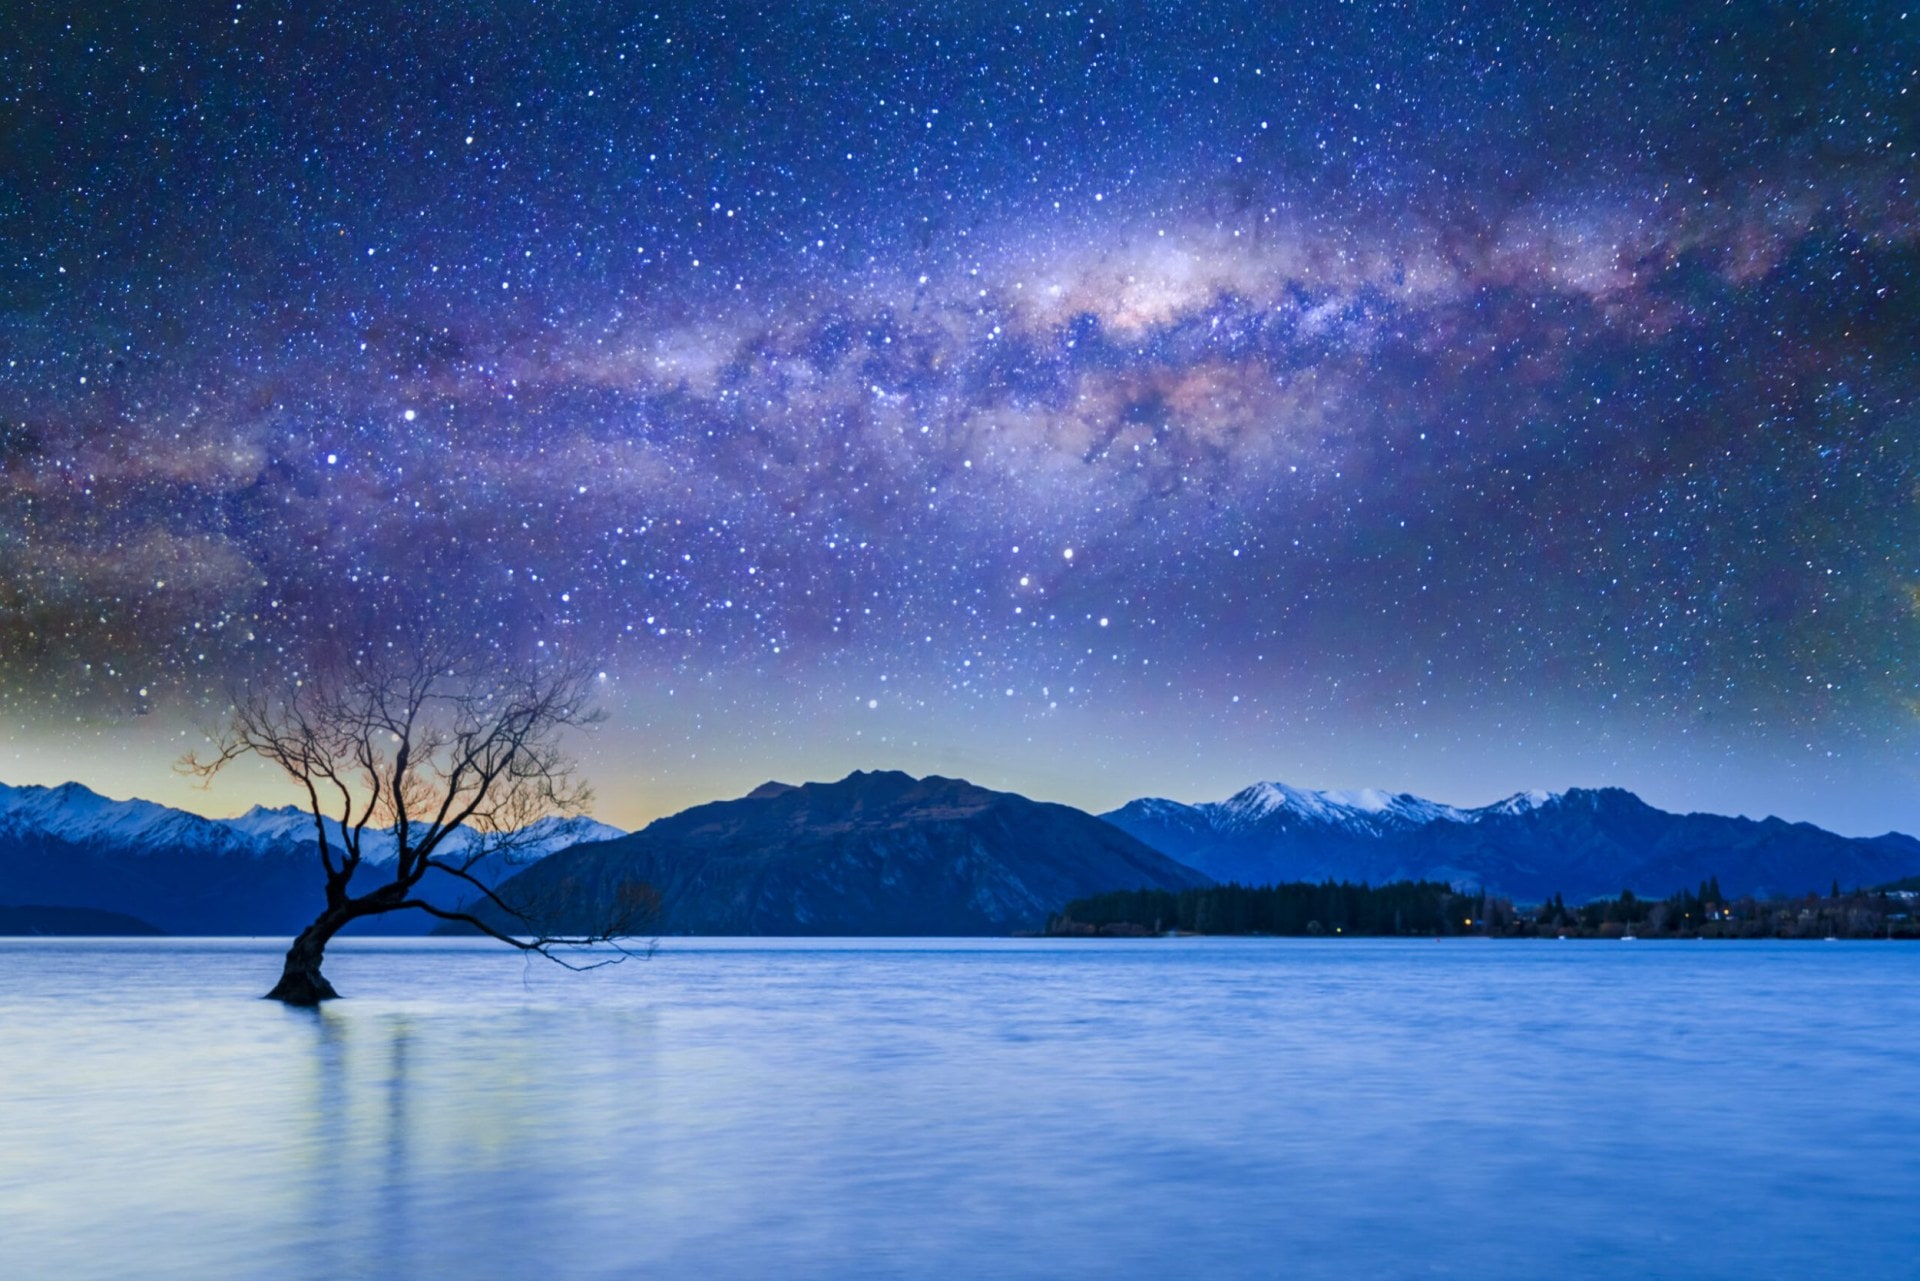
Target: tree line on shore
{"points": [[1707, 913], [1306, 908]]}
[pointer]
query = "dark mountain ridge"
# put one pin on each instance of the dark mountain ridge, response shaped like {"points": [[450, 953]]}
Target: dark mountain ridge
{"points": [[879, 853]]}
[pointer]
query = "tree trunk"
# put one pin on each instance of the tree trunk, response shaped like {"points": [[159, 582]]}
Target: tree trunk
{"points": [[301, 982]]}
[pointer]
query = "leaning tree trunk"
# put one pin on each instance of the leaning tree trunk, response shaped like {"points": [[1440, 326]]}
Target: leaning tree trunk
{"points": [[301, 982]]}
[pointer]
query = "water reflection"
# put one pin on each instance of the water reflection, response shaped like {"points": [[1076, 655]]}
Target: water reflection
{"points": [[931, 1110], [435, 1141]]}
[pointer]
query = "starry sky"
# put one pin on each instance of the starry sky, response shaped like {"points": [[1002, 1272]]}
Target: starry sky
{"points": [[1093, 400]]}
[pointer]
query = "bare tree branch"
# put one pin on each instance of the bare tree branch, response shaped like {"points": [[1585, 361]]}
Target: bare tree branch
{"points": [[544, 946], [443, 747]]}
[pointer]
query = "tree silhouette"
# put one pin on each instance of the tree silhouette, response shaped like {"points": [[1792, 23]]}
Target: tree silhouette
{"points": [[444, 749]]}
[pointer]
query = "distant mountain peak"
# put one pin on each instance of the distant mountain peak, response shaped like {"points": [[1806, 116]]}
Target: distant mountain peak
{"points": [[274, 811], [768, 790], [1583, 841], [1159, 805], [1598, 797], [1521, 802], [1368, 805], [887, 778]]}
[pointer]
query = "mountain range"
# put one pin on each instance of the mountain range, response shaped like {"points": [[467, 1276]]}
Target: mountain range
{"points": [[255, 874], [882, 852], [1581, 843]]}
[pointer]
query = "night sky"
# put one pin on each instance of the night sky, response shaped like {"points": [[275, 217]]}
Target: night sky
{"points": [[1094, 401]]}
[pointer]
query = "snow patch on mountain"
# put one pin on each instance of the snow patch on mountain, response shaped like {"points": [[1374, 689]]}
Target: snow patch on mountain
{"points": [[1520, 803]]}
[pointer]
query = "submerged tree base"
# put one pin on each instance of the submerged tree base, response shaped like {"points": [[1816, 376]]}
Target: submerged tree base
{"points": [[303, 987]]}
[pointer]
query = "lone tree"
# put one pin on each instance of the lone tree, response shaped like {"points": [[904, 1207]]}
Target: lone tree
{"points": [[436, 756]]}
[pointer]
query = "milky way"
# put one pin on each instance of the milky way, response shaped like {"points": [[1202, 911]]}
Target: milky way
{"points": [[1096, 399]]}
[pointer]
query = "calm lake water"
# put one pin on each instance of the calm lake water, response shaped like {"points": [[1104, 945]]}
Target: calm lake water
{"points": [[1005, 1108]]}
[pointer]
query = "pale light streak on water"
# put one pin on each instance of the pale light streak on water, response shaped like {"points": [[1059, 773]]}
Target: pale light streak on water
{"points": [[1201, 1108]]}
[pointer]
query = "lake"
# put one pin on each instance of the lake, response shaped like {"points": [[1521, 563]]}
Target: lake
{"points": [[936, 1108]]}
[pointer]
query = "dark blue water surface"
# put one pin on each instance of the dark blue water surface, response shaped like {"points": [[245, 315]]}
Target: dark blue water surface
{"points": [[1004, 1108]]}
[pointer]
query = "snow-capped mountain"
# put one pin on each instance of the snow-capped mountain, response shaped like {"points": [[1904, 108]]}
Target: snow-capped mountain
{"points": [[69, 846], [73, 812], [291, 825], [1583, 842], [1367, 809]]}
